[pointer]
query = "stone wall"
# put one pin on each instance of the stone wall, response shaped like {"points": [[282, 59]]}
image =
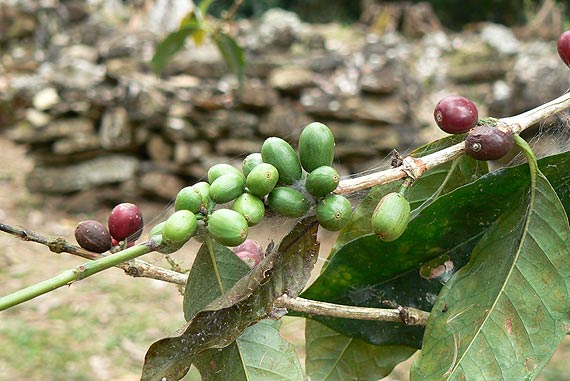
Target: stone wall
{"points": [[77, 89]]}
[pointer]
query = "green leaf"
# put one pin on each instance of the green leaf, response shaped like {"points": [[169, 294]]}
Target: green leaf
{"points": [[503, 315], [412, 270], [232, 53], [214, 271], [204, 5], [171, 45], [334, 357], [283, 271], [259, 354]]}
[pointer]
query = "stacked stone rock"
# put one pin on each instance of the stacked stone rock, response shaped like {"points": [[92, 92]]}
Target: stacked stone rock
{"points": [[96, 119]]}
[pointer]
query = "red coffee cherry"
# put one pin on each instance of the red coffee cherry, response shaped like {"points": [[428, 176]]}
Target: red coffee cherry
{"points": [[93, 236], [489, 142], [455, 114], [564, 47], [125, 221]]}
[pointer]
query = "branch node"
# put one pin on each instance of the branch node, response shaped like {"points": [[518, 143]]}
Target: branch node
{"points": [[413, 167]]}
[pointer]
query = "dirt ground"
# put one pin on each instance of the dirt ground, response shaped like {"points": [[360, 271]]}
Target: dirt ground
{"points": [[99, 328]]}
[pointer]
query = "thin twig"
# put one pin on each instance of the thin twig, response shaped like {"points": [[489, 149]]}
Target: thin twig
{"points": [[406, 315], [135, 267], [414, 167]]}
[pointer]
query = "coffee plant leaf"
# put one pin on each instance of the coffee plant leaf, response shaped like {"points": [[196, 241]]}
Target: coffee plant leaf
{"points": [[335, 357], [232, 53], [259, 354], [504, 313], [412, 270], [284, 270], [173, 43], [214, 271]]}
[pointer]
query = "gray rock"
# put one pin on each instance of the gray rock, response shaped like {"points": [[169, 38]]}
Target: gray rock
{"points": [[291, 79], [380, 109], [188, 152], [180, 129], [160, 184], [500, 38], [46, 99], [59, 128], [284, 123], [159, 149], [85, 175], [76, 144], [256, 95], [115, 131], [231, 147]]}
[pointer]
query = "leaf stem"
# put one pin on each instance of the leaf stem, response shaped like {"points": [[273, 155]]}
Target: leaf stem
{"points": [[69, 276], [530, 157]]}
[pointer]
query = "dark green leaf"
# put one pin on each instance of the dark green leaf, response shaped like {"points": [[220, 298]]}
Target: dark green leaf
{"points": [[502, 316], [334, 357], [283, 271], [232, 53], [171, 45], [411, 270]]}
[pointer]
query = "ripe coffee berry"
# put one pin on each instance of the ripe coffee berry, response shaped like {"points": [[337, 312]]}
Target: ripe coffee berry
{"points": [[489, 142], [455, 114], [125, 221], [93, 236], [564, 47]]}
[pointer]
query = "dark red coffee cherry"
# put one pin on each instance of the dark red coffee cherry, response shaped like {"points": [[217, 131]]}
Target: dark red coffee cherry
{"points": [[455, 114], [489, 142], [125, 221], [564, 47], [93, 236]]}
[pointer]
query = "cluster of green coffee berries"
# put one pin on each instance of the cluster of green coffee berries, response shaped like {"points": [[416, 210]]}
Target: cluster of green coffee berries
{"points": [[277, 178]]}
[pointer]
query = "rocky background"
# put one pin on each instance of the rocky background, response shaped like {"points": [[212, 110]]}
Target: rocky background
{"points": [[76, 88]]}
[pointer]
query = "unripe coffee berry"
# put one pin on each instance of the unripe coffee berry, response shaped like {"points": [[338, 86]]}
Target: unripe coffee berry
{"points": [[455, 114], [489, 142], [334, 212], [125, 221], [391, 216], [93, 236], [227, 227]]}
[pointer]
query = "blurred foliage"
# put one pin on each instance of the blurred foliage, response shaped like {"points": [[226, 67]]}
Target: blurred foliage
{"points": [[452, 13]]}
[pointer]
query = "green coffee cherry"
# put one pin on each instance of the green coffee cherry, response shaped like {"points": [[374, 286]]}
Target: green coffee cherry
{"points": [[156, 230], [391, 217], [322, 181], [204, 189], [251, 207], [227, 227], [189, 198], [222, 169], [179, 228], [262, 179], [288, 202], [334, 212], [227, 188], [316, 146], [250, 162], [282, 156]]}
